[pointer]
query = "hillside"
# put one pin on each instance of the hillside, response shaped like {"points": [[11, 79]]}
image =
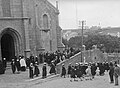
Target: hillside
{"points": [[114, 31]]}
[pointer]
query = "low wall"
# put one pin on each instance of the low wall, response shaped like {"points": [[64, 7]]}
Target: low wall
{"points": [[74, 59], [89, 55], [112, 57]]}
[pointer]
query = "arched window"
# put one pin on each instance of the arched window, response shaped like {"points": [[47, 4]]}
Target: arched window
{"points": [[45, 21]]}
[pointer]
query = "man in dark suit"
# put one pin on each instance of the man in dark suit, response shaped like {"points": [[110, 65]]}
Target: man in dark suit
{"points": [[116, 73], [111, 72]]}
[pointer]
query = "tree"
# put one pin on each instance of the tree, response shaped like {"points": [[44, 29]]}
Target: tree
{"points": [[65, 42], [104, 42]]}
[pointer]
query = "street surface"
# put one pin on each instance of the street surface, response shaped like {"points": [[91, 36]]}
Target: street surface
{"points": [[22, 80], [98, 82]]}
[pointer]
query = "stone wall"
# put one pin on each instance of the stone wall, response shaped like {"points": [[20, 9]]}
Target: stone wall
{"points": [[26, 17], [17, 26], [74, 59], [112, 57], [90, 56], [38, 37]]}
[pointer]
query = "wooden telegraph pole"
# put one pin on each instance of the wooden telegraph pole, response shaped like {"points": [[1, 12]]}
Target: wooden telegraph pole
{"points": [[83, 23]]}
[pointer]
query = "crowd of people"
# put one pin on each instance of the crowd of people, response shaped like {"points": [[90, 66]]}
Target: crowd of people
{"points": [[88, 71], [20, 63], [57, 56], [80, 70]]}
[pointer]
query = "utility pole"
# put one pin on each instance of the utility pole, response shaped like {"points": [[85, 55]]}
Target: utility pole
{"points": [[83, 23]]}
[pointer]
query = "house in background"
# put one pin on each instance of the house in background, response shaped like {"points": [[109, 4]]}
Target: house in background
{"points": [[113, 31]]}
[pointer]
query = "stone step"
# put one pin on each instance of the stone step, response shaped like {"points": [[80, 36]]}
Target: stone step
{"points": [[8, 65], [48, 77]]}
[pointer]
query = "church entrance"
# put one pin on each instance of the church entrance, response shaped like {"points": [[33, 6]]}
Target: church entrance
{"points": [[10, 41], [7, 47]]}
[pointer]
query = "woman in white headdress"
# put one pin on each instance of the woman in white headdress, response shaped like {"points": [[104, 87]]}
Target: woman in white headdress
{"points": [[23, 64], [88, 73], [36, 69]]}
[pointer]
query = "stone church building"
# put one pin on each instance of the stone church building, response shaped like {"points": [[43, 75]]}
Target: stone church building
{"points": [[28, 27]]}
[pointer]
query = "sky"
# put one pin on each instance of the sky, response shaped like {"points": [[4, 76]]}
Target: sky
{"points": [[104, 13]]}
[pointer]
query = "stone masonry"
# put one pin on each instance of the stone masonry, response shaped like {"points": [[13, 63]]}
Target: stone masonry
{"points": [[33, 26]]}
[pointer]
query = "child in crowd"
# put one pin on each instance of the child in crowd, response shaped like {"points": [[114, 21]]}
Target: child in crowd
{"points": [[97, 71], [88, 73]]}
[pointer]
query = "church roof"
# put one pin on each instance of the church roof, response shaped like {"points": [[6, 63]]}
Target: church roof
{"points": [[50, 5], [56, 10]]}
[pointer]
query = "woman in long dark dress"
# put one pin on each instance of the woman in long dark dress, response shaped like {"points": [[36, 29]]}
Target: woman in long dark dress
{"points": [[44, 71], [13, 66], [36, 71], [72, 73], [18, 65], [79, 72], [63, 71], [31, 70], [2, 69], [4, 62], [28, 62], [52, 69], [69, 69], [93, 70]]}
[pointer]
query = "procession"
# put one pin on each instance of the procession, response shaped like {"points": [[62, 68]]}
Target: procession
{"points": [[59, 44], [81, 71]]}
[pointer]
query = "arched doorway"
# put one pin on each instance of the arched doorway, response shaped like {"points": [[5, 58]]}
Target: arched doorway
{"points": [[10, 42], [7, 47]]}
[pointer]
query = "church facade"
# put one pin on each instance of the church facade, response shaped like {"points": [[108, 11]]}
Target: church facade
{"points": [[28, 27]]}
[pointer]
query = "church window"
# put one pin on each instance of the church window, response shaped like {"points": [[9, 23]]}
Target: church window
{"points": [[50, 45], [45, 21]]}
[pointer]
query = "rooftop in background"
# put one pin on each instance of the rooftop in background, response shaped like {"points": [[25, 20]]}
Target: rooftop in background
{"points": [[114, 31]]}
